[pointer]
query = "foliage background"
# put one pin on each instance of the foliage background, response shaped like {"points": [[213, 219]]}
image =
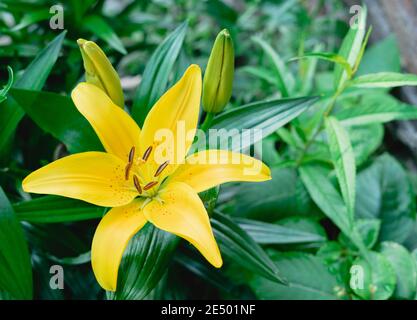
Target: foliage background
{"points": [[269, 230]]}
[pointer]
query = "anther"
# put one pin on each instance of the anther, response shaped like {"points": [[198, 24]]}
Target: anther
{"points": [[137, 184], [150, 185], [127, 170], [161, 168], [131, 154], [147, 153]]}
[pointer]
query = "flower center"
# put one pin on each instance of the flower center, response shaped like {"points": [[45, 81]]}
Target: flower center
{"points": [[147, 188]]}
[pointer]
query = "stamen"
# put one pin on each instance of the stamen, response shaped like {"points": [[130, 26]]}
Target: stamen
{"points": [[150, 185], [161, 168], [127, 170], [137, 184], [147, 153], [131, 154]]}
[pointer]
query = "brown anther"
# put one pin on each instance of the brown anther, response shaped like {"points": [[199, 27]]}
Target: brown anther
{"points": [[161, 168], [150, 185], [137, 184], [131, 154], [147, 153], [127, 170]]}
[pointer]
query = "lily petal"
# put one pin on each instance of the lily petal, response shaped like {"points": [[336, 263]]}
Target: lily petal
{"points": [[206, 169], [112, 235], [117, 131], [95, 177], [173, 116], [180, 211]]}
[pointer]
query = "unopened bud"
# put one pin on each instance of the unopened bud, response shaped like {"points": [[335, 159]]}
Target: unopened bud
{"points": [[218, 78], [100, 72]]}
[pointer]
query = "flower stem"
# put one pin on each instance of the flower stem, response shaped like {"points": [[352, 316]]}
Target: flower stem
{"points": [[207, 121]]}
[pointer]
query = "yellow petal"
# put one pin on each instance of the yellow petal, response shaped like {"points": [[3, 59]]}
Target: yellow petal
{"points": [[100, 72], [113, 233], [206, 169], [171, 119], [117, 131], [95, 177], [180, 211]]}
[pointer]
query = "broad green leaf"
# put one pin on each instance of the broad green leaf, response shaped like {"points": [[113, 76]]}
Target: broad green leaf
{"points": [[52, 209], [327, 198], [374, 278], [282, 196], [343, 160], [384, 80], [285, 80], [15, 266], [98, 26], [236, 245], [368, 230], [33, 78], [376, 109], [328, 56], [315, 284], [351, 48], [384, 56], [144, 262], [264, 118], [365, 140], [384, 192], [156, 74], [58, 116], [269, 233], [405, 269]]}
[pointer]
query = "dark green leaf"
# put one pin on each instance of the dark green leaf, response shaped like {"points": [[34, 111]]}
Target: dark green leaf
{"points": [[155, 77], [58, 116], [15, 266], [316, 284], [52, 209], [240, 248], [33, 78]]}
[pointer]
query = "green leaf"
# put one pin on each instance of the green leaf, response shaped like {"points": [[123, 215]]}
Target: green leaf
{"points": [[384, 80], [240, 248], [98, 26], [405, 269], [365, 140], [15, 266], [144, 262], [31, 18], [328, 56], [269, 233], [8, 85], [368, 230], [350, 49], [156, 75], [384, 56], [385, 192], [285, 81], [58, 116], [327, 198], [376, 109], [316, 284], [264, 117], [375, 277], [343, 160], [52, 209], [33, 78], [284, 195]]}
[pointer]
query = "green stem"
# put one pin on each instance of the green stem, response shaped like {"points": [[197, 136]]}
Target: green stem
{"points": [[207, 121]]}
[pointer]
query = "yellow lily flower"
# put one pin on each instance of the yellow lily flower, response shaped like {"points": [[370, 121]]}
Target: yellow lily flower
{"points": [[131, 178]]}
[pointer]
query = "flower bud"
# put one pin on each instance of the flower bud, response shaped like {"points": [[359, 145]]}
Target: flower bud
{"points": [[218, 78], [100, 72]]}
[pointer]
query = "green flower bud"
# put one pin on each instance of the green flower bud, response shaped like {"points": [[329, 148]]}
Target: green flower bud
{"points": [[218, 78], [100, 72]]}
